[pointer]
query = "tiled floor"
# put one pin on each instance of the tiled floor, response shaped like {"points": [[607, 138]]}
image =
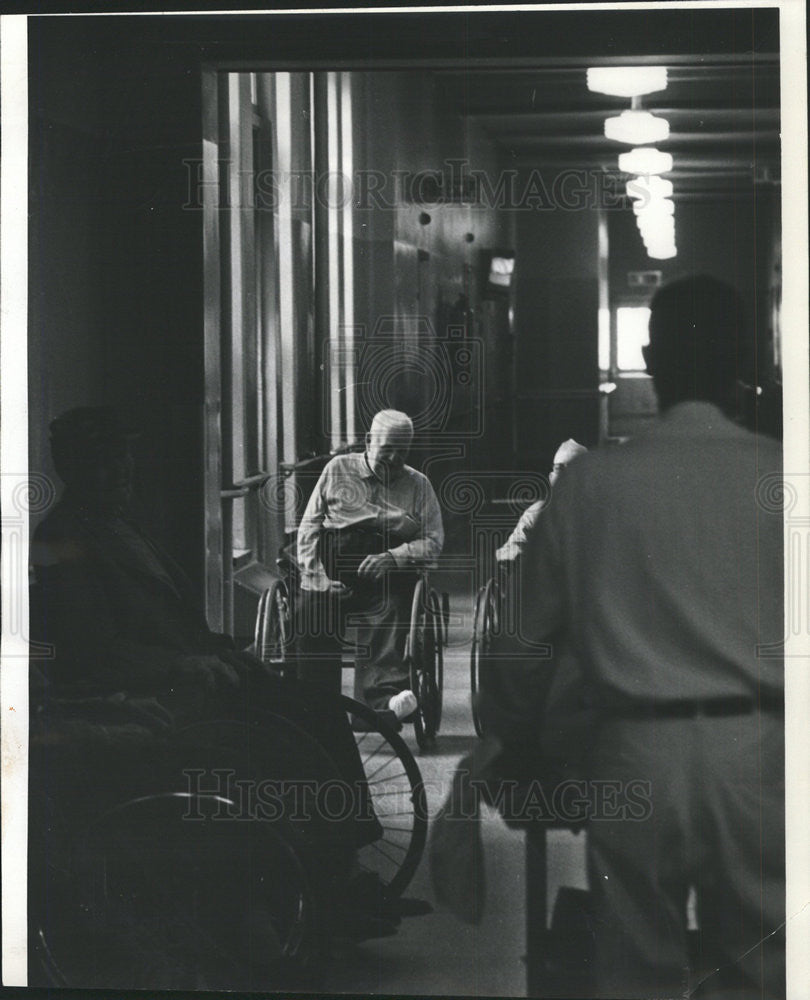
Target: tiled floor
{"points": [[437, 954]]}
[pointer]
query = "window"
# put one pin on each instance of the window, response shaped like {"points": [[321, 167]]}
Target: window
{"points": [[631, 334]]}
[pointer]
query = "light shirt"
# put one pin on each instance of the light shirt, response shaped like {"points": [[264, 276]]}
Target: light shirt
{"points": [[516, 542], [349, 494], [662, 562]]}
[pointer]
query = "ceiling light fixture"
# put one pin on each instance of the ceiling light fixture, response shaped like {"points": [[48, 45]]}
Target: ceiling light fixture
{"points": [[655, 223], [654, 207], [654, 220], [662, 252], [636, 128], [647, 188], [645, 160], [627, 81], [661, 238]]}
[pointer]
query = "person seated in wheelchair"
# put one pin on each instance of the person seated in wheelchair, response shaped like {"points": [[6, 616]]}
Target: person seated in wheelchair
{"points": [[554, 744], [371, 525], [122, 622], [516, 542]]}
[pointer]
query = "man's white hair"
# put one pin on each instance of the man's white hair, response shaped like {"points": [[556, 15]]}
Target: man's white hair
{"points": [[568, 451], [388, 419]]}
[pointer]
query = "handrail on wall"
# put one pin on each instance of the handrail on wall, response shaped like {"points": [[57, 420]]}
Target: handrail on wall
{"points": [[288, 468]]}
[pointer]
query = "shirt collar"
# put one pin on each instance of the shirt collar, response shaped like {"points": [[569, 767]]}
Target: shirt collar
{"points": [[366, 472]]}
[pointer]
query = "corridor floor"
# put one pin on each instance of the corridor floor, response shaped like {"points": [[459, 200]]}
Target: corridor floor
{"points": [[437, 954]]}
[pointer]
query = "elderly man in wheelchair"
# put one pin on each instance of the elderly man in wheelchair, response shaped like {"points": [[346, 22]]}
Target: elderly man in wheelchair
{"points": [[489, 601], [144, 720], [371, 527]]}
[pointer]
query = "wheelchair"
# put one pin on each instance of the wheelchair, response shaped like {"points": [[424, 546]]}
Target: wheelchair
{"points": [[487, 613], [494, 609], [392, 774], [424, 646], [424, 651], [137, 879]]}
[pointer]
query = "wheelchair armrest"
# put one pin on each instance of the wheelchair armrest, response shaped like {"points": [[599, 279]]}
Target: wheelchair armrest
{"points": [[288, 566]]}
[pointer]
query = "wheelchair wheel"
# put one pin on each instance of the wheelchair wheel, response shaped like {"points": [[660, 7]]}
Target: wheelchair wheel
{"points": [[397, 795], [274, 626], [485, 621], [163, 896], [440, 617], [424, 649]]}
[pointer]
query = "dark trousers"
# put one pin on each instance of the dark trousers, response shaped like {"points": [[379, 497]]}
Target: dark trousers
{"points": [[708, 813], [373, 623]]}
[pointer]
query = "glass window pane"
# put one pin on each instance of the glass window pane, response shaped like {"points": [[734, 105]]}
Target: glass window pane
{"points": [[604, 340]]}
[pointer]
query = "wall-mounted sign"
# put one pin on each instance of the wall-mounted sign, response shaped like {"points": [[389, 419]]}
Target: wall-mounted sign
{"points": [[643, 279]]}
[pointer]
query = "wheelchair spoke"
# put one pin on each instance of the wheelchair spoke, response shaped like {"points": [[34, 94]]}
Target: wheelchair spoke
{"points": [[393, 813], [394, 846], [397, 796], [385, 854], [377, 752], [385, 763], [391, 777]]}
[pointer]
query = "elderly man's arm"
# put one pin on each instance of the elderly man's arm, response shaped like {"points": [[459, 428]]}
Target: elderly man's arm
{"points": [[313, 574], [516, 542], [424, 550], [517, 674]]}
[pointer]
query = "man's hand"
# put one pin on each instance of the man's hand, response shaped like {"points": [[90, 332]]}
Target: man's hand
{"points": [[375, 567], [336, 587]]}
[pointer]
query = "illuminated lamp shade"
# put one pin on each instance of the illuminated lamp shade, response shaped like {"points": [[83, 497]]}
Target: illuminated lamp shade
{"points": [[627, 81], [664, 252], [656, 206], [657, 232], [636, 128], [645, 160], [659, 242], [655, 223], [656, 227], [646, 188]]}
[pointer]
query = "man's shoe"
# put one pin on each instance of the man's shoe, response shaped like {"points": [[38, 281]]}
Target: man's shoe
{"points": [[403, 704]]}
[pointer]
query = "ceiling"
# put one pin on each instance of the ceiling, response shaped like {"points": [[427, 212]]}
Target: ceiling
{"points": [[723, 112]]}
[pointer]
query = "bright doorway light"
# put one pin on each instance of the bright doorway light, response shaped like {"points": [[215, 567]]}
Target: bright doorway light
{"points": [[631, 333]]}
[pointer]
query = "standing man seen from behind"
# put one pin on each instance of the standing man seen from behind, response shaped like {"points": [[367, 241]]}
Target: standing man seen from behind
{"points": [[371, 525], [661, 563]]}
